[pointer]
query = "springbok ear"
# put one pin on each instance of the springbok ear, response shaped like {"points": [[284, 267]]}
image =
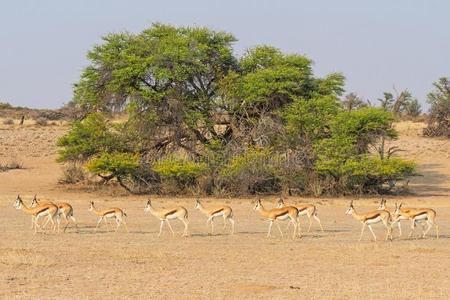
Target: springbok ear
{"points": [[400, 205]]}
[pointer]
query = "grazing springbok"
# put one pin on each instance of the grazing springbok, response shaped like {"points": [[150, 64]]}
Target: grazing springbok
{"points": [[279, 214], [420, 215], [372, 217], [308, 209], [65, 209], [50, 210], [222, 211], [164, 215], [109, 213]]}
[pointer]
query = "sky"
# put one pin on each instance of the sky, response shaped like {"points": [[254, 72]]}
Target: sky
{"points": [[376, 44]]}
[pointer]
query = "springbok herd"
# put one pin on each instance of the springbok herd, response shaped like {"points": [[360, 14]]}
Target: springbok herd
{"points": [[56, 211]]}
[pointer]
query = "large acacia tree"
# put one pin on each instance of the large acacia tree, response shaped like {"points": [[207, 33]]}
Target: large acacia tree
{"points": [[184, 91]]}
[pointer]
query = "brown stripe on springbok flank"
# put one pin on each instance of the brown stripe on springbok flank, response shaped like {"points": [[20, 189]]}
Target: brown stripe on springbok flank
{"points": [[374, 216], [109, 211], [420, 213], [172, 211], [217, 210], [41, 210], [300, 209], [281, 213]]}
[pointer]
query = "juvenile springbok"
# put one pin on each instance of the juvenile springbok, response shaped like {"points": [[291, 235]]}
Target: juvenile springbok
{"points": [[164, 215], [222, 211], [276, 214], [65, 209], [420, 215], [109, 213], [49, 210], [308, 209], [372, 217]]}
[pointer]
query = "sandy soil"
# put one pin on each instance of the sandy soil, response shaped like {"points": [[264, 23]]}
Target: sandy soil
{"points": [[330, 264]]}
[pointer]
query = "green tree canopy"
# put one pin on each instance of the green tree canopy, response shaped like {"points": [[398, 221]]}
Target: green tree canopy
{"points": [[195, 115]]}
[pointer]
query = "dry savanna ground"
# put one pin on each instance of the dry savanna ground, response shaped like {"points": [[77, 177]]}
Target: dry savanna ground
{"points": [[138, 264]]}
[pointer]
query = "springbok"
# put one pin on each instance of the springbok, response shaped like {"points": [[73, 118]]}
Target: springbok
{"points": [[109, 213], [164, 215], [65, 209], [276, 214], [382, 206], [372, 217], [49, 210], [222, 211], [308, 209], [421, 215]]}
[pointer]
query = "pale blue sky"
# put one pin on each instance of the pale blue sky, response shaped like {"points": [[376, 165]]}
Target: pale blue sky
{"points": [[375, 44]]}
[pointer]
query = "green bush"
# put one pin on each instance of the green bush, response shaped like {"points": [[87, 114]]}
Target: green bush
{"points": [[89, 137], [114, 165], [367, 174], [117, 164], [311, 118], [365, 126], [254, 171], [182, 172]]}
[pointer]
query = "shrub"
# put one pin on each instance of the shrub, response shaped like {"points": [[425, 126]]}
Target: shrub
{"points": [[368, 174], [114, 165], [12, 163], [365, 126], [8, 121], [72, 173], [41, 121], [439, 116], [89, 137], [51, 115], [180, 172], [413, 108], [5, 105], [252, 172]]}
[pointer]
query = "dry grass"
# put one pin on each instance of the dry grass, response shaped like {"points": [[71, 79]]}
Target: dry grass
{"points": [[247, 265]]}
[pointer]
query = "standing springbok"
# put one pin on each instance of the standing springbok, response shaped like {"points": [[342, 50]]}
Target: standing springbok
{"points": [[222, 211], [164, 215], [421, 215], [65, 209], [109, 213], [372, 217], [49, 210], [276, 214], [308, 209]]}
